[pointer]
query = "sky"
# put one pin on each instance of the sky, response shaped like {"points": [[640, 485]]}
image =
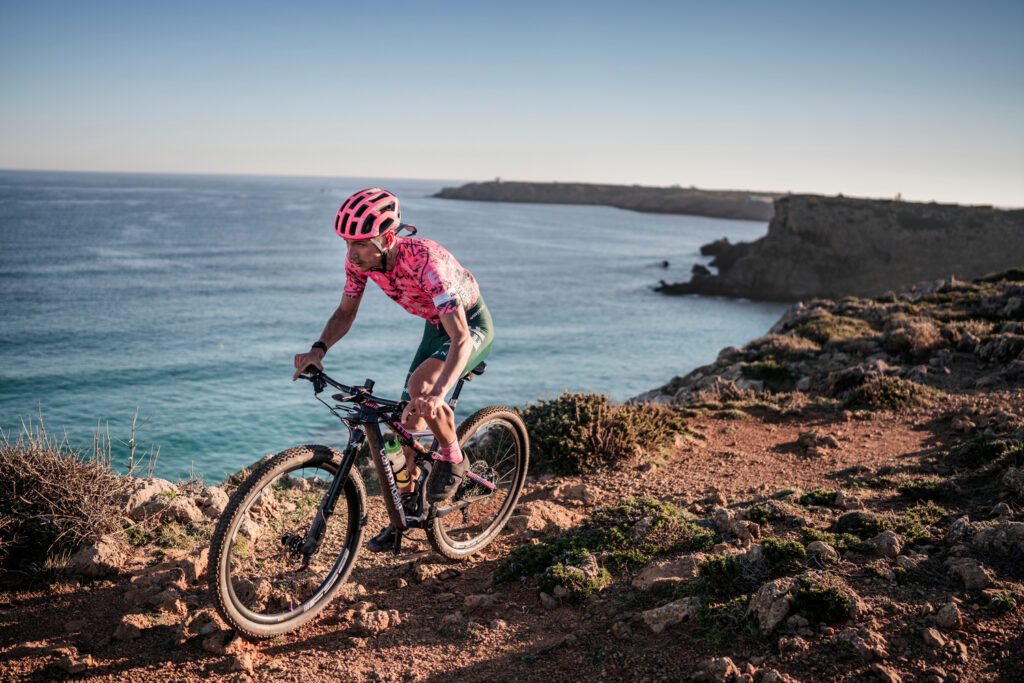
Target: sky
{"points": [[923, 99]]}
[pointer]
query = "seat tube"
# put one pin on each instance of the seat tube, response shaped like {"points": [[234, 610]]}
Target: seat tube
{"points": [[386, 476]]}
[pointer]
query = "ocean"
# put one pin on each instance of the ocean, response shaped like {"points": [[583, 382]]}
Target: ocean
{"points": [[184, 297]]}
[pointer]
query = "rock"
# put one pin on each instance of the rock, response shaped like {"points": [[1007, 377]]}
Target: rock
{"points": [[885, 674], [574, 492], [216, 643], [959, 530], [242, 661], [823, 552], [498, 624], [213, 500], [933, 638], [718, 498], [76, 625], [548, 601], [665, 573], [1004, 538], [949, 617], [194, 564], [660, 618], [718, 670], [797, 622], [963, 424], [372, 622], [1014, 480], [451, 619], [792, 644], [202, 623], [970, 572], [775, 676], [847, 501], [251, 529], [1002, 512], [106, 556], [544, 516], [143, 491], [770, 605], [863, 642], [75, 665], [131, 627], [888, 543], [182, 510], [723, 518], [483, 601]]}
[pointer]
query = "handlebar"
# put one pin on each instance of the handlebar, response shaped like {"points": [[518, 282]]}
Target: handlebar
{"points": [[350, 394]]}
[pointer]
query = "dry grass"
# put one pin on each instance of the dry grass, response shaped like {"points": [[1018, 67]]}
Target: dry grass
{"points": [[54, 497]]}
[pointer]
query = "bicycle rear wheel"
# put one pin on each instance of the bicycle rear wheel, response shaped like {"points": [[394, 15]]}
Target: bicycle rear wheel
{"points": [[254, 572], [495, 442]]}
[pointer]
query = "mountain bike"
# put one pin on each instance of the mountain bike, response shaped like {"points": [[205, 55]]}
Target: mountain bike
{"points": [[292, 530]]}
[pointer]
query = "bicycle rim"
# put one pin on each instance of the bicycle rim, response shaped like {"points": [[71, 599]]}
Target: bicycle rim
{"points": [[263, 589], [494, 441]]}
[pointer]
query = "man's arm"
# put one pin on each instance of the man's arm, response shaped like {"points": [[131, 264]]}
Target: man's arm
{"points": [[337, 327], [461, 349]]}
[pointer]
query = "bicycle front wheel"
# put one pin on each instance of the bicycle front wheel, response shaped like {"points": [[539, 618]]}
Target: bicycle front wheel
{"points": [[495, 442], [254, 565]]}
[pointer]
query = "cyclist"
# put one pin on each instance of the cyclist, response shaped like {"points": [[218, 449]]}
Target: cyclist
{"points": [[427, 281]]}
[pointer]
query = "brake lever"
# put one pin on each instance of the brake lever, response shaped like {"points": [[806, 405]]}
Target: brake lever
{"points": [[315, 375]]}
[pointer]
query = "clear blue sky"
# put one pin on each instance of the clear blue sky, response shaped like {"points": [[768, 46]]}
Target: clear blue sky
{"points": [[864, 98]]}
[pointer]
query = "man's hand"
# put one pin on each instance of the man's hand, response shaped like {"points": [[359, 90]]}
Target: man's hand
{"points": [[426, 406], [304, 360]]}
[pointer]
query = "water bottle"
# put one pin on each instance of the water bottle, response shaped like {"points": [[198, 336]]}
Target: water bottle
{"points": [[393, 449]]}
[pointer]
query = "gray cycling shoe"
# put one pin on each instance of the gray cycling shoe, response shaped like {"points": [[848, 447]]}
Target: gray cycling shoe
{"points": [[384, 541], [445, 478]]}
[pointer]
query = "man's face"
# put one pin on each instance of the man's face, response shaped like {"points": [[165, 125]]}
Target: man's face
{"points": [[363, 254]]}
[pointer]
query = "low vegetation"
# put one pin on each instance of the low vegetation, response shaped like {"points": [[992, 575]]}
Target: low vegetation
{"points": [[580, 433]]}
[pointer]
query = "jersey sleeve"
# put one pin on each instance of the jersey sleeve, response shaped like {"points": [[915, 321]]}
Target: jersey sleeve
{"points": [[355, 281], [442, 289]]}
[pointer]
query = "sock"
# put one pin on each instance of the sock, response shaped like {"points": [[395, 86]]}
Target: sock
{"points": [[451, 453]]}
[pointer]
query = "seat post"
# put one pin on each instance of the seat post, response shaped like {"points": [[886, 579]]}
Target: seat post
{"points": [[455, 394]]}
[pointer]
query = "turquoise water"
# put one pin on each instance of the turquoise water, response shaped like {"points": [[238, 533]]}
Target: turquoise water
{"points": [[185, 298]]}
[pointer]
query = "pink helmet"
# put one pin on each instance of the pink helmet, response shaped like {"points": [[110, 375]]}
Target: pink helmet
{"points": [[367, 214]]}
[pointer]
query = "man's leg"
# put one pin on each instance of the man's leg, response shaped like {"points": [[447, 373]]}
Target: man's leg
{"points": [[441, 425]]}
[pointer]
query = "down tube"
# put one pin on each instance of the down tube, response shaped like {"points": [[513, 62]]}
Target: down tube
{"points": [[386, 477]]}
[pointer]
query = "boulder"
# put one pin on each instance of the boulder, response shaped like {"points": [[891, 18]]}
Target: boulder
{"points": [[770, 605], [101, 558], [949, 617], [1004, 538], [144, 491], [213, 500], [865, 643], [667, 573], [823, 552], [660, 618], [888, 543], [970, 572]]}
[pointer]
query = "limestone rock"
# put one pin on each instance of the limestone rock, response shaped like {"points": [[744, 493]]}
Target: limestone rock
{"points": [[482, 601], [770, 605], [546, 516], [242, 661], [213, 500], [622, 631], [824, 553], [847, 501], [660, 618], [852, 521], [572, 493], [142, 492], [776, 676], [1004, 538], [548, 601], [885, 674], [863, 642], [792, 644], [216, 643], [372, 622], [933, 638], [888, 543], [717, 670], [970, 572], [75, 664], [668, 572], [106, 556], [949, 617]]}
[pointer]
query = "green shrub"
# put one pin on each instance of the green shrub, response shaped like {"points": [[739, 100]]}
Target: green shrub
{"points": [[925, 489], [581, 433], [613, 530], [1001, 603], [840, 542], [823, 598], [914, 523], [783, 556], [824, 328], [732, 414], [983, 450], [890, 393], [722, 621], [718, 575], [580, 586], [818, 497], [775, 375]]}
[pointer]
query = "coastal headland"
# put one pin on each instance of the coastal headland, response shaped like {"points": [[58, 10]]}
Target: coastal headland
{"points": [[736, 204], [832, 247]]}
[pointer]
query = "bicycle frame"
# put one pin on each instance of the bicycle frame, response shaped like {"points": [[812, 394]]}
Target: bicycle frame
{"points": [[363, 420]]}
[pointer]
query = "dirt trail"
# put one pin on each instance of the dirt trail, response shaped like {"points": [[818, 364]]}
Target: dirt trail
{"points": [[516, 637]]}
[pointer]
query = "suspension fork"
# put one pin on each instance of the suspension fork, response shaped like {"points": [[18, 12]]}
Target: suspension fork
{"points": [[315, 535]]}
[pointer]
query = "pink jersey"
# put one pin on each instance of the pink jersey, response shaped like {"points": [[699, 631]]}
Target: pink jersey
{"points": [[427, 281]]}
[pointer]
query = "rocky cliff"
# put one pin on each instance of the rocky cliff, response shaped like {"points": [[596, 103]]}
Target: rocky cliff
{"points": [[738, 204], [833, 247]]}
